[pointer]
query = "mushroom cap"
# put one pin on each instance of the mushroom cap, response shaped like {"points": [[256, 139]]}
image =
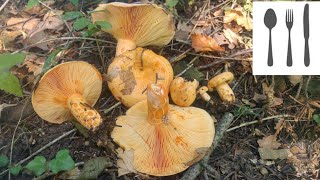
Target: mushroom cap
{"points": [[225, 77], [130, 73], [50, 97], [168, 148], [145, 24], [183, 92]]}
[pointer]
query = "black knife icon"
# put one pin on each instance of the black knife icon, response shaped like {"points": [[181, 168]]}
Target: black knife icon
{"points": [[306, 35]]}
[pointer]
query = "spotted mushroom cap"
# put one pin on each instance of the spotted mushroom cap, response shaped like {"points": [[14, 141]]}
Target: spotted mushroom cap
{"points": [[145, 24], [167, 148], [130, 73], [50, 97]]}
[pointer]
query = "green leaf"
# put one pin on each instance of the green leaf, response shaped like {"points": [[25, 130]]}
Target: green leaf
{"points": [[191, 73], [10, 84], [94, 167], [314, 87], [4, 160], [71, 15], [103, 24], [32, 3], [172, 3], [62, 162], [8, 60], [75, 2], [81, 23], [15, 170], [37, 165], [50, 60], [316, 118]]}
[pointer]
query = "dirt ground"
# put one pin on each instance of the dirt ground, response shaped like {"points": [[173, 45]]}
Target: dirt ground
{"points": [[259, 111]]}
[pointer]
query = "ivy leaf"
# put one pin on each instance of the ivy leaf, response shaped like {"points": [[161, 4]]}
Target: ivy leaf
{"points": [[172, 3], [316, 118], [15, 170], [94, 167], [191, 73], [32, 3], [71, 15], [103, 24], [75, 2], [4, 160], [81, 23], [8, 60], [62, 162], [37, 165], [10, 84]]}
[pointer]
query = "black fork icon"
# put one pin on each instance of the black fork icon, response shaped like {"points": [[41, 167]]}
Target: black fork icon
{"points": [[289, 23]]}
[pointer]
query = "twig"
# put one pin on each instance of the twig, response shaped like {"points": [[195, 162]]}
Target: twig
{"points": [[3, 5], [196, 169], [224, 59], [14, 134], [43, 148], [184, 71], [306, 89], [257, 121], [112, 107], [63, 39]]}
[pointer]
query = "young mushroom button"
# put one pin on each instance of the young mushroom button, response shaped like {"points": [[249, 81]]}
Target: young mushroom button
{"points": [[136, 25], [69, 90], [130, 73], [183, 92], [165, 139], [221, 84]]}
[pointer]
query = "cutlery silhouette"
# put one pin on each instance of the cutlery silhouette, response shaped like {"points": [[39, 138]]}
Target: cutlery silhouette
{"points": [[306, 35], [289, 23], [270, 20]]}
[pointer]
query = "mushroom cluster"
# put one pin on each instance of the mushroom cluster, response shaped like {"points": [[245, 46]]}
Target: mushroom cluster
{"points": [[165, 139]]}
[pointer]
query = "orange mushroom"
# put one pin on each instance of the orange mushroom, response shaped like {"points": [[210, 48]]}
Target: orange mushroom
{"points": [[166, 139], [130, 73], [136, 24], [69, 90], [183, 92], [221, 84]]}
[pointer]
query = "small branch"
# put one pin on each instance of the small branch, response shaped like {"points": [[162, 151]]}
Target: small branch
{"points": [[257, 121], [43, 148], [196, 169], [106, 111], [4, 5], [225, 59]]}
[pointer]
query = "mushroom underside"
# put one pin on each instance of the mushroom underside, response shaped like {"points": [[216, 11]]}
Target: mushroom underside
{"points": [[165, 149]]}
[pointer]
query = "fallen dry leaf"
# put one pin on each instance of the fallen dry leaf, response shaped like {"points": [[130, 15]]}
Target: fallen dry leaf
{"points": [[25, 24], [239, 16], [295, 79], [233, 38], [266, 153], [205, 43], [6, 37], [4, 105], [125, 162], [279, 126], [269, 142]]}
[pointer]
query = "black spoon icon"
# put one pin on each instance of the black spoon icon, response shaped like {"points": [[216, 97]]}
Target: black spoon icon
{"points": [[270, 20]]}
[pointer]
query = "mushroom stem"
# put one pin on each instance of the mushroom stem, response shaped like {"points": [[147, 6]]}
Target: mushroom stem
{"points": [[84, 113], [225, 93], [158, 103], [124, 45]]}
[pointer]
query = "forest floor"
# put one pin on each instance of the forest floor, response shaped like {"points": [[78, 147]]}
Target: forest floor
{"points": [[274, 133]]}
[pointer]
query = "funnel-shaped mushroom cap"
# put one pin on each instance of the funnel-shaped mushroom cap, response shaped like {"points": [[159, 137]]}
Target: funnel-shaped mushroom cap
{"points": [[54, 100], [136, 24], [130, 73], [166, 139]]}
